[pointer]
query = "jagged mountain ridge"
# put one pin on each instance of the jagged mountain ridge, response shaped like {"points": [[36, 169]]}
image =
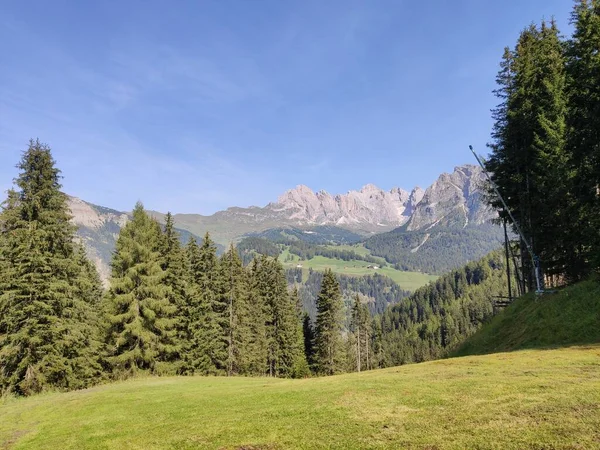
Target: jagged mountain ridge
{"points": [[453, 200], [368, 206]]}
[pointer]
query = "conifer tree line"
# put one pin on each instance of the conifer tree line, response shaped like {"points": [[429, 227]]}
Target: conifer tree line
{"points": [[545, 149], [170, 309]]}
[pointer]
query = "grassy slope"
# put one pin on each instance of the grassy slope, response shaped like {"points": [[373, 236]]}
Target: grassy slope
{"points": [[526, 399], [571, 316], [409, 281]]}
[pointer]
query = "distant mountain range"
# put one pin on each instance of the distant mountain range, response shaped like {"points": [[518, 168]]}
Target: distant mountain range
{"points": [[453, 201]]}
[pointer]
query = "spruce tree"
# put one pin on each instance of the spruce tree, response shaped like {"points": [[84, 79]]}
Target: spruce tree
{"points": [[309, 339], [88, 326], [141, 332], [284, 350], [528, 159], [48, 290], [208, 321], [329, 345], [233, 294], [360, 327], [551, 175], [252, 339], [174, 264], [301, 368], [583, 135], [192, 312]]}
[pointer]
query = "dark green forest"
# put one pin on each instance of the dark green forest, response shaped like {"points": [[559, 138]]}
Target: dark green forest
{"points": [[545, 148], [439, 249], [438, 317], [376, 291]]}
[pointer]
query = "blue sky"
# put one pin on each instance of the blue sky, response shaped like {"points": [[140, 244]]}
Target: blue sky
{"points": [[194, 106]]}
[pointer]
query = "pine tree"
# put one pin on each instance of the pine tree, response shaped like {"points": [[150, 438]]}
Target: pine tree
{"points": [[378, 359], [174, 264], [233, 294], [309, 339], [87, 330], [282, 327], [141, 320], [329, 345], [48, 290], [300, 368], [528, 158], [252, 327], [360, 327], [583, 135], [208, 318], [192, 312], [551, 176]]}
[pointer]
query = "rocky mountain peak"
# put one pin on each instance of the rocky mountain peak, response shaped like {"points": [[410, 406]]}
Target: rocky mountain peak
{"points": [[453, 199], [372, 206], [370, 189]]}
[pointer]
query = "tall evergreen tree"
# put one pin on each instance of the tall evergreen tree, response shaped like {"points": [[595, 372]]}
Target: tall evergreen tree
{"points": [[174, 264], [300, 368], [308, 333], [528, 158], [583, 135], [329, 345], [208, 318], [233, 294], [282, 325], [252, 324], [360, 327], [48, 291], [141, 331]]}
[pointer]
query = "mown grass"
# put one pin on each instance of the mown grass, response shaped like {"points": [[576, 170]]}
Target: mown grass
{"points": [[409, 281], [526, 399], [569, 316]]}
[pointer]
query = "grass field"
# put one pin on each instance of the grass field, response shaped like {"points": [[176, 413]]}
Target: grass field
{"points": [[526, 399], [409, 281]]}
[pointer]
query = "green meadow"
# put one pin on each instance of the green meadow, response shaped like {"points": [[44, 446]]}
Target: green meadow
{"points": [[524, 399]]}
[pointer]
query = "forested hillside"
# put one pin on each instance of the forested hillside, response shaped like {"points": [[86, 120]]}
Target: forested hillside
{"points": [[376, 291], [438, 317], [435, 251]]}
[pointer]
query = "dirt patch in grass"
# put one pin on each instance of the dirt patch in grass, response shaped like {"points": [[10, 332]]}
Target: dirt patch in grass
{"points": [[6, 445]]}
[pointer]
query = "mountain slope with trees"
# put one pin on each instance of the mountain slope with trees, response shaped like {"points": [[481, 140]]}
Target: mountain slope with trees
{"points": [[437, 318]]}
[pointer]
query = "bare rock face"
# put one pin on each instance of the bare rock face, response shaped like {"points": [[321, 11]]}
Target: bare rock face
{"points": [[453, 200], [369, 206], [98, 229], [85, 215]]}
